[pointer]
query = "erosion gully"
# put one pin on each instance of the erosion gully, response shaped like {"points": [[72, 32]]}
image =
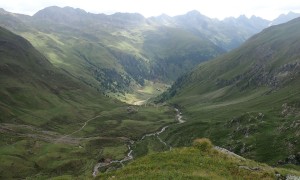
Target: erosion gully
{"points": [[129, 155]]}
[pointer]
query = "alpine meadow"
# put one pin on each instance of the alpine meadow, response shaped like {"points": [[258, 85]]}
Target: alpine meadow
{"points": [[126, 96]]}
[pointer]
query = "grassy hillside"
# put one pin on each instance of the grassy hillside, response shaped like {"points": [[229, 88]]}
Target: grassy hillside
{"points": [[29, 82], [52, 124], [246, 100], [201, 161], [116, 54], [173, 52]]}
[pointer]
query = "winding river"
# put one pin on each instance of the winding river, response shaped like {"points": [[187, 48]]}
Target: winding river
{"points": [[129, 155]]}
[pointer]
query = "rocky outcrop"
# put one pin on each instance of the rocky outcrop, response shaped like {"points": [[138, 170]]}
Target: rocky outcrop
{"points": [[260, 75], [223, 150], [291, 159]]}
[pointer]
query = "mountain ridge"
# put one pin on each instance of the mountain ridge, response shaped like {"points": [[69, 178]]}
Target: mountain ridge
{"points": [[284, 18]]}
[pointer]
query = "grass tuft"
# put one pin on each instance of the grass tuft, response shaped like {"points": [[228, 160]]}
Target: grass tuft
{"points": [[203, 144]]}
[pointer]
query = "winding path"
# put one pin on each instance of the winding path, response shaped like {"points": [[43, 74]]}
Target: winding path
{"points": [[130, 151], [80, 129]]}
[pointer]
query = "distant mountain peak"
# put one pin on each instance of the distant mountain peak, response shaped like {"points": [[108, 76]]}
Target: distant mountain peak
{"points": [[61, 15], [128, 14], [192, 17], [59, 10], [253, 17], [2, 11], [162, 19], [128, 18], [243, 17], [74, 9], [285, 18], [163, 15], [194, 13], [50, 8], [291, 13]]}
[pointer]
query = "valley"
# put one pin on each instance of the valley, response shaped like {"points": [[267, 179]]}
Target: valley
{"points": [[96, 96], [53, 124], [120, 53], [141, 94], [28, 149], [251, 92]]}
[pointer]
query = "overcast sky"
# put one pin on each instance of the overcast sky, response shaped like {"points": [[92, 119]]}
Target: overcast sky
{"points": [[268, 9]]}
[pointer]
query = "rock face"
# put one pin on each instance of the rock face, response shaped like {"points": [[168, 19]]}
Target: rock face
{"points": [[291, 159], [286, 177], [292, 177], [228, 152], [260, 75], [131, 110], [291, 110]]}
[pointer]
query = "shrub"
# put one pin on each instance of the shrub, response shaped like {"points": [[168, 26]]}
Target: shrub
{"points": [[203, 144]]}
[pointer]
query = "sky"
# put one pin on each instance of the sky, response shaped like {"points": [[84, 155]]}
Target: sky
{"points": [[267, 9]]}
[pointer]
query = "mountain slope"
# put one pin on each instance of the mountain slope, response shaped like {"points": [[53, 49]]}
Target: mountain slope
{"points": [[30, 82], [198, 162], [52, 124], [38, 104], [173, 52], [246, 100]]}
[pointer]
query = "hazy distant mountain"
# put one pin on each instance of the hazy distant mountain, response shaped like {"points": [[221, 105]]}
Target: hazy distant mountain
{"points": [[163, 19], [283, 18], [62, 15], [227, 34], [194, 19]]}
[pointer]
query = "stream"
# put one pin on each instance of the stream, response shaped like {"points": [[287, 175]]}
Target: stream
{"points": [[129, 155]]}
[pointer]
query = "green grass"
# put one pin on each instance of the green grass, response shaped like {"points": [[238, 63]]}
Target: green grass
{"points": [[141, 94], [214, 120], [194, 163], [233, 99], [121, 123], [43, 108], [115, 152], [42, 155]]}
